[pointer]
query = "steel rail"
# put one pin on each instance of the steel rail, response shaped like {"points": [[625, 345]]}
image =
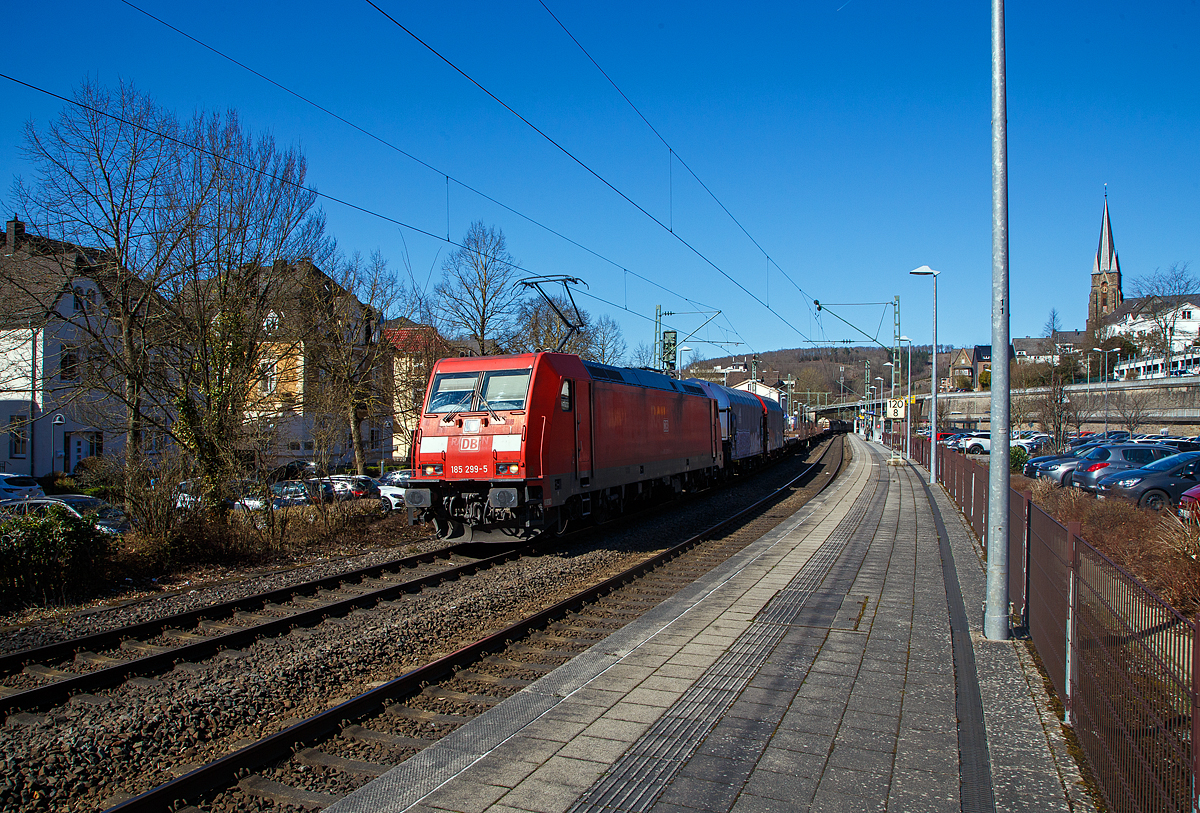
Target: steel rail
{"points": [[282, 743], [61, 690], [62, 650]]}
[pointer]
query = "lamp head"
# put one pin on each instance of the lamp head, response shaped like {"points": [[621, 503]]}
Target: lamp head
{"points": [[924, 271]]}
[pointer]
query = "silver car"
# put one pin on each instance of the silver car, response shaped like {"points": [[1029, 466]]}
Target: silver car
{"points": [[1105, 460]]}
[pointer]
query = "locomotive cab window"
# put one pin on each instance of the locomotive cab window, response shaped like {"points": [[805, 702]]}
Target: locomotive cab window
{"points": [[452, 392], [477, 392], [564, 396], [504, 389]]}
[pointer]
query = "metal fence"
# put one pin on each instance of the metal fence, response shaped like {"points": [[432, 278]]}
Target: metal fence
{"points": [[1121, 659]]}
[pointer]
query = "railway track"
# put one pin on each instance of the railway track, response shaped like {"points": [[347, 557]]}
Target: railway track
{"points": [[52, 674], [315, 760]]}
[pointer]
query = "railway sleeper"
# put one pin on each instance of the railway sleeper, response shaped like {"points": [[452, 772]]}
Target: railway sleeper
{"points": [[46, 672], [492, 680], [530, 666], [358, 767], [423, 716], [143, 648], [277, 792], [439, 693], [357, 732]]}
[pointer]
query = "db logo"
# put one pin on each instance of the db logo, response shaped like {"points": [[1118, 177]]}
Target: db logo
{"points": [[470, 444]]}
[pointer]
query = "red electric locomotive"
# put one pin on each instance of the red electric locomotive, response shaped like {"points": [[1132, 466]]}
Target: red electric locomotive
{"points": [[510, 446]]}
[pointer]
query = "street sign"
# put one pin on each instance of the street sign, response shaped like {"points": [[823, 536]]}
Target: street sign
{"points": [[895, 408]]}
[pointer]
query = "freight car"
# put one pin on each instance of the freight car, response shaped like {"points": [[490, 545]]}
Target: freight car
{"points": [[834, 425], [510, 446]]}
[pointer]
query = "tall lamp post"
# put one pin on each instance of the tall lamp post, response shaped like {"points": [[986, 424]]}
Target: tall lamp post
{"points": [[1106, 376], [908, 403], [879, 405], [926, 271], [679, 360]]}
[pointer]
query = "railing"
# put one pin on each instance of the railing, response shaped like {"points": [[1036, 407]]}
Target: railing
{"points": [[1122, 660]]}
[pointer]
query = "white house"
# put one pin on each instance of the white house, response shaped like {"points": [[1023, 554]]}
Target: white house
{"points": [[42, 355]]}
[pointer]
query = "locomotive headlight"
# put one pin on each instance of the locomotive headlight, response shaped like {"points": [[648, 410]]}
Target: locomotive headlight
{"points": [[507, 468], [430, 469]]}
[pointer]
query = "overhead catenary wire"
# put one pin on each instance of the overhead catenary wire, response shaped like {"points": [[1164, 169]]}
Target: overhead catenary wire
{"points": [[384, 142], [264, 173], [674, 155], [583, 165]]}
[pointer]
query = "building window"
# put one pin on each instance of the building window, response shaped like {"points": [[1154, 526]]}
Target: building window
{"points": [[266, 377], [18, 436], [294, 445], [308, 445], [375, 438], [68, 364], [1185, 315]]}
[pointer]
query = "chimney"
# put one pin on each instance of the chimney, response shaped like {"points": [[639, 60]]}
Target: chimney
{"points": [[14, 233]]}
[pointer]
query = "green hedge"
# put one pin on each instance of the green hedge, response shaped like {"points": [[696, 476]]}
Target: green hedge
{"points": [[50, 557], [1017, 458]]}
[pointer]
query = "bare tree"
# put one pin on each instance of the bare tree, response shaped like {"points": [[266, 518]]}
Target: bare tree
{"points": [[608, 344], [242, 311], [348, 351], [1134, 406], [477, 296], [1082, 406], [644, 356], [539, 327], [102, 173], [1162, 294]]}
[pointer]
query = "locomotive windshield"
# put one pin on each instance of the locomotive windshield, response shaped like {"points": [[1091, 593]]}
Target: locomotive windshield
{"points": [[476, 392]]}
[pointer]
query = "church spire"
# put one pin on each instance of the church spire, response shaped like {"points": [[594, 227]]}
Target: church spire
{"points": [[1106, 254], [1106, 295]]}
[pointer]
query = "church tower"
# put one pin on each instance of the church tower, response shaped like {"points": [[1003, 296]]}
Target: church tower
{"points": [[1106, 276]]}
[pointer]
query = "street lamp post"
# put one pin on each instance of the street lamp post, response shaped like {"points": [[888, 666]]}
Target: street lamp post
{"points": [[1106, 376], [679, 360], [926, 271], [879, 405], [908, 405]]}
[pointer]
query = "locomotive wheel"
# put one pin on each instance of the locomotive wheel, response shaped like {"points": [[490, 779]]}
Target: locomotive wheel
{"points": [[451, 529]]}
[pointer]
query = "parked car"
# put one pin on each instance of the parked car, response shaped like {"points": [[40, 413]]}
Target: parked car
{"points": [[1061, 467], [976, 443], [244, 495], [397, 477], [1179, 444], [1156, 485], [295, 470], [354, 487], [391, 498], [1108, 460], [1189, 505], [19, 486], [104, 516], [301, 492]]}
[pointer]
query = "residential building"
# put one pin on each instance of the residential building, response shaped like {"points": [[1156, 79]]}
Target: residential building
{"points": [[51, 296]]}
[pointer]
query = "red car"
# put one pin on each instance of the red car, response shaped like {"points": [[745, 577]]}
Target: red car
{"points": [[514, 445], [1189, 505]]}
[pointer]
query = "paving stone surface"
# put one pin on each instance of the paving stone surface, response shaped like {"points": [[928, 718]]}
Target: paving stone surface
{"points": [[815, 670]]}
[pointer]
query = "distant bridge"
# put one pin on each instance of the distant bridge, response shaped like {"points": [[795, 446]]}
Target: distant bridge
{"points": [[1172, 403]]}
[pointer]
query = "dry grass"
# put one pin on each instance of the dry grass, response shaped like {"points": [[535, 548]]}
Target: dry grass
{"points": [[1156, 547]]}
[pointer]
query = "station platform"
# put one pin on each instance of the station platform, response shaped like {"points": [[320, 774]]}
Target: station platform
{"points": [[835, 664]]}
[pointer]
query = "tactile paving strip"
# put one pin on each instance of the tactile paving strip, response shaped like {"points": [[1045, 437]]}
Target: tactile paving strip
{"points": [[636, 779]]}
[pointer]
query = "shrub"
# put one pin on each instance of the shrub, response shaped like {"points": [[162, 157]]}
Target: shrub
{"points": [[50, 557], [1017, 458]]}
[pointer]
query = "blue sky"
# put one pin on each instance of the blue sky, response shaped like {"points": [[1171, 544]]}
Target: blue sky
{"points": [[851, 139]]}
